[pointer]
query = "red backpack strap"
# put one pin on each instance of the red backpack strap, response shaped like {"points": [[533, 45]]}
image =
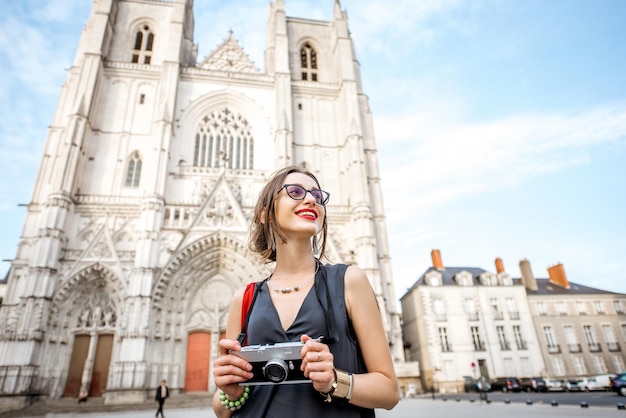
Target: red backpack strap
{"points": [[247, 301], [249, 296]]}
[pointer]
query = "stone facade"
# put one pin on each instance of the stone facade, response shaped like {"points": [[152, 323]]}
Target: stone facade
{"points": [[582, 330], [136, 235]]}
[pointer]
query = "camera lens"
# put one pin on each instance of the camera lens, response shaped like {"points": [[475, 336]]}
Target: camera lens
{"points": [[275, 370]]}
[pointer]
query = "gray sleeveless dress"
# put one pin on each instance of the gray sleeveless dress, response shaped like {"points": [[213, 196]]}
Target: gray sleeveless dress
{"points": [[264, 327]]}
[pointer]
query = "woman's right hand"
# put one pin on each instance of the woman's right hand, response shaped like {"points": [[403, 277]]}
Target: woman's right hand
{"points": [[229, 370]]}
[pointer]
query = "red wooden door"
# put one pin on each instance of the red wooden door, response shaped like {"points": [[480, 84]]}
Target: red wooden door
{"points": [[198, 359]]}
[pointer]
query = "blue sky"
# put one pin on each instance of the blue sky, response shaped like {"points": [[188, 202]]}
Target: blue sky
{"points": [[500, 124]]}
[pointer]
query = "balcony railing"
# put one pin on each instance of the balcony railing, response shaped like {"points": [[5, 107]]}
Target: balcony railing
{"points": [[613, 347], [505, 346], [446, 348], [441, 317], [554, 349], [574, 348], [522, 345], [514, 315], [498, 316], [472, 316], [595, 347], [480, 346]]}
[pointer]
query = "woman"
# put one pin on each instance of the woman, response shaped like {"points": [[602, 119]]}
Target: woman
{"points": [[351, 370]]}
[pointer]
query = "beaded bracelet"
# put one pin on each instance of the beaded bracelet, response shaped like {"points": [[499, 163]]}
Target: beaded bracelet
{"points": [[234, 405]]}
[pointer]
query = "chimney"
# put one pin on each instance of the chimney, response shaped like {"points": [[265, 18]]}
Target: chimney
{"points": [[557, 275], [499, 265], [528, 279], [436, 256]]}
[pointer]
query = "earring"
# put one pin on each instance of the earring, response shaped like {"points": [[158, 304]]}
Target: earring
{"points": [[315, 245], [272, 243]]}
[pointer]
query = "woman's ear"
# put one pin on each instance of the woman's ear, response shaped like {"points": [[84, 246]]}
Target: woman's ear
{"points": [[263, 215]]}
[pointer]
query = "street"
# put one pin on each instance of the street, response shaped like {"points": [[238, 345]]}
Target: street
{"points": [[426, 407]]}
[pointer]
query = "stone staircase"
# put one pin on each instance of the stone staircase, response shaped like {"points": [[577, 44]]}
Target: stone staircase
{"points": [[96, 405]]}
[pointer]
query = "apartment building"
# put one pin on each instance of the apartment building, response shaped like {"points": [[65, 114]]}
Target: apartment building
{"points": [[582, 330], [467, 321]]}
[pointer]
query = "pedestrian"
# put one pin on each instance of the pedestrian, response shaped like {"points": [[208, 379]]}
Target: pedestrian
{"points": [[350, 369], [162, 393]]}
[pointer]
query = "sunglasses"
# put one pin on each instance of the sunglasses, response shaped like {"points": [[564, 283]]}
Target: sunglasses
{"points": [[297, 192]]}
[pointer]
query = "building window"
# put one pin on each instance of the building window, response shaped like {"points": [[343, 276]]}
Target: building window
{"points": [[443, 339], [439, 310], [308, 63], [619, 307], [548, 333], [519, 339], [144, 41], [470, 309], [570, 339], [134, 170], [581, 308], [512, 308], [495, 308], [599, 307], [433, 279], [224, 139], [558, 367], [598, 364], [609, 338], [561, 308], [479, 345], [618, 364], [590, 337], [579, 365], [525, 365], [464, 278], [504, 344], [509, 369], [541, 308]]}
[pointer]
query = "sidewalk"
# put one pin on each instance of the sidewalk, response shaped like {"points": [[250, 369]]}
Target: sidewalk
{"points": [[421, 407]]}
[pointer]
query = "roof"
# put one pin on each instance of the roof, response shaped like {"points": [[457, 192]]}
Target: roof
{"points": [[545, 286], [548, 288], [448, 274]]}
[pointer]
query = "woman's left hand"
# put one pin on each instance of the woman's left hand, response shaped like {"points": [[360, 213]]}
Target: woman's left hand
{"points": [[317, 364]]}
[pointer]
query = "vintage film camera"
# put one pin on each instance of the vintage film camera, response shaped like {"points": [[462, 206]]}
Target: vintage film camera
{"points": [[274, 363]]}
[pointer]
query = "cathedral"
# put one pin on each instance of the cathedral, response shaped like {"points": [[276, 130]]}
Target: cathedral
{"points": [[136, 234]]}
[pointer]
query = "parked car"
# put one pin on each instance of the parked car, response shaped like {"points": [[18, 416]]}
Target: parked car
{"points": [[555, 385], [506, 384], [618, 384], [571, 385], [533, 384], [599, 382]]}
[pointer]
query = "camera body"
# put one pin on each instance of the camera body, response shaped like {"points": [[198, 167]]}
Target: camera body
{"points": [[274, 364]]}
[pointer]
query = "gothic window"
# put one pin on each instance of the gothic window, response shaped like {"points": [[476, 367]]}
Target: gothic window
{"points": [[134, 170], [308, 63], [224, 139], [144, 41]]}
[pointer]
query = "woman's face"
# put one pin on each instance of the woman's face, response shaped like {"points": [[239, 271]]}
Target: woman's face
{"points": [[299, 217]]}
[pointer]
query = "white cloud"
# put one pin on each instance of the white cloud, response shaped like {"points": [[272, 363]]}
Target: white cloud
{"points": [[443, 163]]}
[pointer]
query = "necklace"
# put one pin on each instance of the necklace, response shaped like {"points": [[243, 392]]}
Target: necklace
{"points": [[297, 287]]}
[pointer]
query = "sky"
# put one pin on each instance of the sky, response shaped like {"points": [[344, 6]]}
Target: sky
{"points": [[500, 124]]}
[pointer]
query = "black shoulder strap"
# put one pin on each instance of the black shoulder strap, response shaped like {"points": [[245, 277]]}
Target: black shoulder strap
{"points": [[243, 336], [329, 313]]}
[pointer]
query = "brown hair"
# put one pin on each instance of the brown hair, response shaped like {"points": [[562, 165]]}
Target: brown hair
{"points": [[262, 234]]}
